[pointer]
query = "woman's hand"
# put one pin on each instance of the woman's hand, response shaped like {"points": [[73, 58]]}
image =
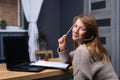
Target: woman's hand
{"points": [[62, 42]]}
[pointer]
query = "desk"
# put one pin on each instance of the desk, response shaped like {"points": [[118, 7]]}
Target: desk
{"points": [[14, 75]]}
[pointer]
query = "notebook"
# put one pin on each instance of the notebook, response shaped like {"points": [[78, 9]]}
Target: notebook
{"points": [[49, 64], [17, 56]]}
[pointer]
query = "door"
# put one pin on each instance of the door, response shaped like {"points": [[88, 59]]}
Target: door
{"points": [[106, 13]]}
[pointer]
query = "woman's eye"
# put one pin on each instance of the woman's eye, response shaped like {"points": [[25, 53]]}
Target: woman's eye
{"points": [[75, 26], [83, 29], [80, 28]]}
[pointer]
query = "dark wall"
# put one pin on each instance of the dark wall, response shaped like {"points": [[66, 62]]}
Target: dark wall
{"points": [[68, 10], [49, 22], [56, 18]]}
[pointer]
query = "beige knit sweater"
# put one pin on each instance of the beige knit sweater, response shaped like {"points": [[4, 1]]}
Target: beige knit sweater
{"points": [[86, 69]]}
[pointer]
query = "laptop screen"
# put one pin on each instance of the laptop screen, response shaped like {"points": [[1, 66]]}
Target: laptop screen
{"points": [[15, 50]]}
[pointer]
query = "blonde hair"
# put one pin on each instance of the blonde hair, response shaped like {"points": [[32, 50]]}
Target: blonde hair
{"points": [[92, 40]]}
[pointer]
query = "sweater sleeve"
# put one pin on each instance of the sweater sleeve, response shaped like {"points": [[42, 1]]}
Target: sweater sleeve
{"points": [[85, 66], [90, 70], [82, 62], [94, 70], [64, 56]]}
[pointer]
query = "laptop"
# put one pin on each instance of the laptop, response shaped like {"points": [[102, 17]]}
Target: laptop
{"points": [[16, 54]]}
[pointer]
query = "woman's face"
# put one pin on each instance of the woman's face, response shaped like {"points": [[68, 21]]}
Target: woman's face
{"points": [[78, 31]]}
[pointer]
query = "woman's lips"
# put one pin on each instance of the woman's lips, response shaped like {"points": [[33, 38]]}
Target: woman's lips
{"points": [[75, 35]]}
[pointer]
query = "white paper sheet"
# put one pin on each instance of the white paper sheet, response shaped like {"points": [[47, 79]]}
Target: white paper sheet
{"points": [[49, 64]]}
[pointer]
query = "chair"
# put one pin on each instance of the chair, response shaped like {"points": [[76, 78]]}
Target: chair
{"points": [[43, 52]]}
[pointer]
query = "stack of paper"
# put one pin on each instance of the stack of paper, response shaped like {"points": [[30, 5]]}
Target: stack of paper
{"points": [[49, 64]]}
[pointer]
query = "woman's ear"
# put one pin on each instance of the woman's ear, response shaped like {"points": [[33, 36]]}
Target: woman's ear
{"points": [[89, 39], [89, 36]]}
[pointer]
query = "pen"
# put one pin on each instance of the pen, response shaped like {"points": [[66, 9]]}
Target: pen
{"points": [[69, 30]]}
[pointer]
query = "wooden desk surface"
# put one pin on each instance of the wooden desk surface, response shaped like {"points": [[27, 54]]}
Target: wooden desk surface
{"points": [[14, 75]]}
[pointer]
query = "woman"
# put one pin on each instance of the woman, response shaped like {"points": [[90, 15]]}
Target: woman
{"points": [[89, 59]]}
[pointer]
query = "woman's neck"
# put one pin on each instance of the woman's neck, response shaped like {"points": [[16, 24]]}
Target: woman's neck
{"points": [[79, 42]]}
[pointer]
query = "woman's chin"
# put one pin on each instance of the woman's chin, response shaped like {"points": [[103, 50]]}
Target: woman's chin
{"points": [[75, 39]]}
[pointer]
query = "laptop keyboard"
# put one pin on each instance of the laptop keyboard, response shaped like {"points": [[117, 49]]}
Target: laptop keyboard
{"points": [[23, 65]]}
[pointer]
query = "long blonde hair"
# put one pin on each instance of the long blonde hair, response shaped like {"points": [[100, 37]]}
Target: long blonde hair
{"points": [[92, 40]]}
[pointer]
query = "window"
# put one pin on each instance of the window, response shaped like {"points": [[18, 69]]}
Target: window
{"points": [[103, 22], [103, 40], [10, 11], [98, 5]]}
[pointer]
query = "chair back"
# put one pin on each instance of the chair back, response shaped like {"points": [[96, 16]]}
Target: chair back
{"points": [[43, 52]]}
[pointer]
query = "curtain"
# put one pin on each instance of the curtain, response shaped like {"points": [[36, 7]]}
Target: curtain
{"points": [[31, 10]]}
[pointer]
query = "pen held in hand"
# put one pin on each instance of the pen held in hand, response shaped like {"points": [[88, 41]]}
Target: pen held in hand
{"points": [[69, 30]]}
